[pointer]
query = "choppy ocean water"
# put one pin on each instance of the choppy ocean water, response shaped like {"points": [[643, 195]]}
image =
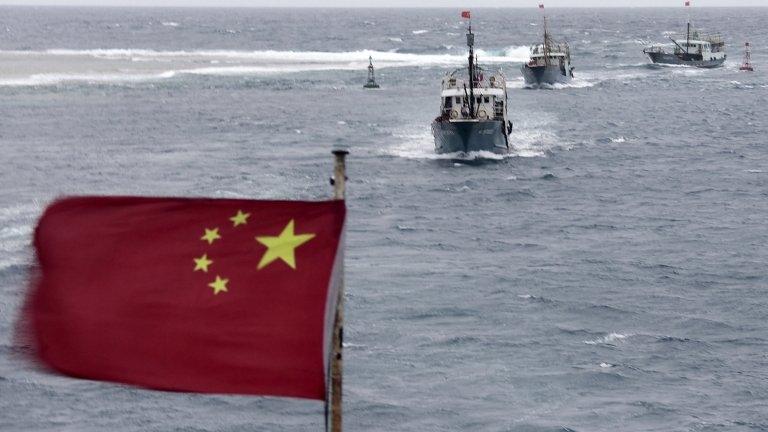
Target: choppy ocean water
{"points": [[610, 274]]}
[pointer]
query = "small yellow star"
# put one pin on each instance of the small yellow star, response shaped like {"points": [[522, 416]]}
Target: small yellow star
{"points": [[211, 235], [202, 263], [219, 285], [282, 247], [240, 218]]}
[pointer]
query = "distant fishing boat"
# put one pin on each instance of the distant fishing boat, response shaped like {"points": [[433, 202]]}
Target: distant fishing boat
{"points": [[473, 108], [549, 62], [694, 49], [371, 83], [746, 65]]}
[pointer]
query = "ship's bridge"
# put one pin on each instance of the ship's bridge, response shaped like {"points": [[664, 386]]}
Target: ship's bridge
{"points": [[489, 91], [542, 55]]}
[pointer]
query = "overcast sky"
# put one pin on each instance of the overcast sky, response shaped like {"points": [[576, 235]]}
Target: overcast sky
{"points": [[391, 3]]}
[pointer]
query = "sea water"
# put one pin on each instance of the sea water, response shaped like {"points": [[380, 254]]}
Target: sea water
{"points": [[608, 274]]}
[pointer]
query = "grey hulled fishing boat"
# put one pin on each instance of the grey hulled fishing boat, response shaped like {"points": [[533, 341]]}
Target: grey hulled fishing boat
{"points": [[693, 49], [473, 109], [549, 63]]}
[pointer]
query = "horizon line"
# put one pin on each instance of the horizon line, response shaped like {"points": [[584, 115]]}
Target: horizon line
{"points": [[96, 5]]}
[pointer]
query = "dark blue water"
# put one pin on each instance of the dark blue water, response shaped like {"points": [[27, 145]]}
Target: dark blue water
{"points": [[610, 274]]}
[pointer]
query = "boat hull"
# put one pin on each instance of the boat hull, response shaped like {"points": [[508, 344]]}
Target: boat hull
{"points": [[466, 136], [672, 59], [547, 75]]}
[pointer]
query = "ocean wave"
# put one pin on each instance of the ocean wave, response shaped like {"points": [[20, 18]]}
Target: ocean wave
{"points": [[610, 339], [233, 63], [59, 78], [508, 54], [421, 145], [574, 83], [15, 231]]}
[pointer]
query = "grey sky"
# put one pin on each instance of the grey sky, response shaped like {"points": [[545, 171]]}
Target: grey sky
{"points": [[392, 3]]}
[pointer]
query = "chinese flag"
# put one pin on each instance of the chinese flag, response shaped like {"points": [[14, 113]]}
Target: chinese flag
{"points": [[465, 14], [200, 295]]}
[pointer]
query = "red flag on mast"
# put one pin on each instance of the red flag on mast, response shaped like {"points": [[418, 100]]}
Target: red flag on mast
{"points": [[465, 14], [200, 295]]}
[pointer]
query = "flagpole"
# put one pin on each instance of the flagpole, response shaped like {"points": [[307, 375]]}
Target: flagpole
{"points": [[339, 193]]}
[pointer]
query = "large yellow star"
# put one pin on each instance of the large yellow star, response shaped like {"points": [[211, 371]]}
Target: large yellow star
{"points": [[211, 235], [240, 218], [202, 263], [219, 285], [282, 246]]}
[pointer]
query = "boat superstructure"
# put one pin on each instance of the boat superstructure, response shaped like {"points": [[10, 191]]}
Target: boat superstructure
{"points": [[473, 109], [550, 61], [693, 48]]}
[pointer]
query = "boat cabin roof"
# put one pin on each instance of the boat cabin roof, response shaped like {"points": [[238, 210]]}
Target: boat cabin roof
{"points": [[479, 91], [692, 42], [555, 50], [551, 54]]}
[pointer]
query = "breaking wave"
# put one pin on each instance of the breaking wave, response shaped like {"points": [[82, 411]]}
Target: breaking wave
{"points": [[59, 78], [166, 64], [610, 339]]}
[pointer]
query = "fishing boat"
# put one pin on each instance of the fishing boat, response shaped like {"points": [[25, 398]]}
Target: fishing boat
{"points": [[549, 62], [746, 65], [473, 108], [694, 49], [371, 83]]}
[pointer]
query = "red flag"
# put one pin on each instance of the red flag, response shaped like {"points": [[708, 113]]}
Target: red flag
{"points": [[465, 14], [202, 295]]}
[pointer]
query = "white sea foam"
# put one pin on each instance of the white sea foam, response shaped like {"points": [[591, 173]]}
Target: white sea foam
{"points": [[620, 139], [421, 145], [606, 365], [59, 78], [170, 23], [15, 231], [395, 39], [232, 63], [418, 32], [574, 83], [609, 339]]}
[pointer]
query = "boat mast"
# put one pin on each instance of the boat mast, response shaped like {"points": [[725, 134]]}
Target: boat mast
{"points": [[547, 38], [688, 33], [471, 44]]}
